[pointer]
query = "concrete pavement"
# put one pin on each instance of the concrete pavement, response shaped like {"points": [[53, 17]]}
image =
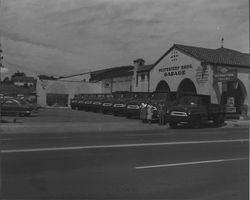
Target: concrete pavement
{"points": [[95, 126]]}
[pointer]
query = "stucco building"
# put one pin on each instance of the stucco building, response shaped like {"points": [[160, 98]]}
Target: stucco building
{"points": [[222, 73]]}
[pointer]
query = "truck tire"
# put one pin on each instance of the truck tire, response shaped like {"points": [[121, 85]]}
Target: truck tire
{"points": [[173, 125], [218, 120], [197, 122]]}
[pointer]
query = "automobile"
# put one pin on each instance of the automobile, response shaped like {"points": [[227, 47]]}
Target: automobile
{"points": [[15, 107], [107, 104], [119, 104], [134, 106], [80, 101], [87, 105], [97, 102], [74, 102], [193, 109]]}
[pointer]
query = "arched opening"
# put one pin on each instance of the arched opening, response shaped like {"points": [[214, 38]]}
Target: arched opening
{"points": [[233, 96], [162, 87], [186, 87]]}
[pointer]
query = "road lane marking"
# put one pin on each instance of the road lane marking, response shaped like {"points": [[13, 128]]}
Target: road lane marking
{"points": [[191, 163], [120, 146]]}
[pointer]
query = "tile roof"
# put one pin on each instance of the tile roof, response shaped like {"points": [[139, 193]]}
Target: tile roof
{"points": [[221, 56], [112, 73]]}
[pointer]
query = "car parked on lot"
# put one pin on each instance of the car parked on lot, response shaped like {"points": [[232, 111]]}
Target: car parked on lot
{"points": [[97, 102], [87, 105], [194, 109], [134, 106], [120, 104], [107, 104], [80, 101], [74, 101], [12, 106]]}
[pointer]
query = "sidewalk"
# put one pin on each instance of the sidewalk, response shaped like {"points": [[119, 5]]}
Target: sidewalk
{"points": [[67, 127]]}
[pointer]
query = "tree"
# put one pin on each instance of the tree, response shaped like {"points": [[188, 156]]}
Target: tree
{"points": [[18, 74]]}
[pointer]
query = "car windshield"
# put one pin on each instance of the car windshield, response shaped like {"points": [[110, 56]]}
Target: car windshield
{"points": [[190, 100], [128, 95], [109, 96], [141, 95], [158, 96]]}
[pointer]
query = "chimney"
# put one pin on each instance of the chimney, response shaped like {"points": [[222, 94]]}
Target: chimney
{"points": [[138, 62]]}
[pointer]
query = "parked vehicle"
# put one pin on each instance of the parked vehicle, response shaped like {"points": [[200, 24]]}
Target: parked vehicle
{"points": [[134, 106], [107, 106], [14, 107], [80, 102], [74, 101], [120, 104], [87, 105], [194, 109], [97, 102], [107, 103]]}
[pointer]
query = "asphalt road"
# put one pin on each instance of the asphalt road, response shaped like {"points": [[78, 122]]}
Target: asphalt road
{"points": [[155, 164]]}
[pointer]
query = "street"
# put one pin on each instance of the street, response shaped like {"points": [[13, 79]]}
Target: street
{"points": [[130, 161], [158, 163]]}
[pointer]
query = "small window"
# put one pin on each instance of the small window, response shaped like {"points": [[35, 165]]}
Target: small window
{"points": [[143, 77]]}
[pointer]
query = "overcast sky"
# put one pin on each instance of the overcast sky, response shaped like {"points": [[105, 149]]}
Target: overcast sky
{"points": [[64, 37]]}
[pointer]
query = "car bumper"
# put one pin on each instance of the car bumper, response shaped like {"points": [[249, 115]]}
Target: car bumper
{"points": [[179, 119], [133, 112], [119, 110]]}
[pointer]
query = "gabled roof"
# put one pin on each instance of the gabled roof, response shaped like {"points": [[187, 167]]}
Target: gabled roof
{"points": [[221, 56], [112, 73]]}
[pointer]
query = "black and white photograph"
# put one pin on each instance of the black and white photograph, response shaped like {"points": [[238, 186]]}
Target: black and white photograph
{"points": [[124, 99]]}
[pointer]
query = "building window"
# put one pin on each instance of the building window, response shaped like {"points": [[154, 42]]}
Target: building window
{"points": [[143, 77]]}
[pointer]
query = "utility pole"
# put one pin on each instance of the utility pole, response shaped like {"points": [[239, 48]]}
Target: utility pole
{"points": [[1, 67]]}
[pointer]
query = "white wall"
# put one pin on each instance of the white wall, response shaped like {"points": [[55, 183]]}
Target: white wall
{"points": [[64, 87], [117, 84], [186, 66]]}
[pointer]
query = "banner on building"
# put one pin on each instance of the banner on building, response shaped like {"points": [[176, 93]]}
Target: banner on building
{"points": [[224, 74]]}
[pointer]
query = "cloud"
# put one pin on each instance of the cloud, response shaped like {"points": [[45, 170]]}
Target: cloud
{"points": [[69, 36]]}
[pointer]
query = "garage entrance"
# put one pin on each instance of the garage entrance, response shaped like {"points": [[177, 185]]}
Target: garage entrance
{"points": [[186, 87], [162, 87], [233, 96], [57, 100]]}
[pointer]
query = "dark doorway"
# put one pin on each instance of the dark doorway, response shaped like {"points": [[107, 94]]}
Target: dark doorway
{"points": [[233, 96], [186, 87], [162, 87], [57, 100]]}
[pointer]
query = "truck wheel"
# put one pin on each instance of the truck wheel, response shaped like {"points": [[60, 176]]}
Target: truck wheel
{"points": [[197, 122], [173, 125], [218, 120]]}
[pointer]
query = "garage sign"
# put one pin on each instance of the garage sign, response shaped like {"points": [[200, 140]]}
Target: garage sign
{"points": [[225, 74]]}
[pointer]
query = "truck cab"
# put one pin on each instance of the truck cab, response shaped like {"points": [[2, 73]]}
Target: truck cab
{"points": [[194, 109], [168, 98]]}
